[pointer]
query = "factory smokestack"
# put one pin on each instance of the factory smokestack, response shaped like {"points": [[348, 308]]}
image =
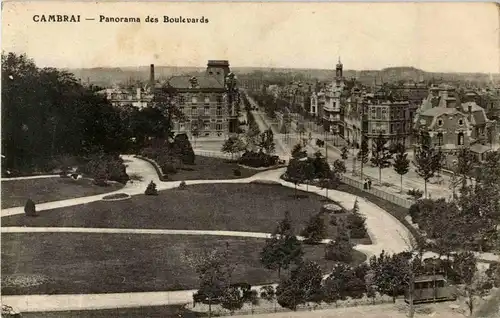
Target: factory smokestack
{"points": [[152, 75]]}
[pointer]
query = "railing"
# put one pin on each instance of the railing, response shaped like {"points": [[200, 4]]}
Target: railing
{"points": [[214, 154], [377, 192], [257, 310]]}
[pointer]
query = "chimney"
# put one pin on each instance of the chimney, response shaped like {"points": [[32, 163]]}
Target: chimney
{"points": [[152, 75]]}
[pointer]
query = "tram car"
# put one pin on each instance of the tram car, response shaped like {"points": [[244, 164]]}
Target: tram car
{"points": [[432, 288]]}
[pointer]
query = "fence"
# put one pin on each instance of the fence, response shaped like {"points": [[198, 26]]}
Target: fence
{"points": [[214, 154], [258, 310], [377, 192]]}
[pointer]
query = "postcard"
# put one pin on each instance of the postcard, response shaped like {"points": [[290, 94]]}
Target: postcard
{"points": [[277, 159]]}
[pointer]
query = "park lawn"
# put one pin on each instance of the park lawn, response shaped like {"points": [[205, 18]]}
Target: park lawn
{"points": [[68, 263], [232, 207], [207, 168], [16, 192], [140, 312]]}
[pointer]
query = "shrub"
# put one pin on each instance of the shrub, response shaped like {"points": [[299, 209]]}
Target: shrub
{"points": [[30, 208], [356, 225], [258, 159], [237, 172], [339, 251], [415, 193], [151, 189], [182, 185], [183, 149]]}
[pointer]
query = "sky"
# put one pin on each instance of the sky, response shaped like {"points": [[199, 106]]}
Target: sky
{"points": [[435, 37]]}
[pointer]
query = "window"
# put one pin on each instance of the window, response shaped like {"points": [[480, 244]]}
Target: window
{"points": [[194, 111], [374, 113], [440, 122], [218, 126], [207, 100], [379, 113], [460, 140], [181, 100], [219, 111], [207, 111], [219, 100], [194, 100], [460, 122], [440, 138], [384, 113], [182, 109], [206, 125]]}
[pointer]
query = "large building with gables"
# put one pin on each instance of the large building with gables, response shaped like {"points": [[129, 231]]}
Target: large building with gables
{"points": [[209, 103]]}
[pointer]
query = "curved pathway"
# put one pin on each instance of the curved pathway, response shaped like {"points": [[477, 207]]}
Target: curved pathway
{"points": [[385, 231], [45, 176]]}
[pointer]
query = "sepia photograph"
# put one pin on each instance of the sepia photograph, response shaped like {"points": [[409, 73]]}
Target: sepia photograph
{"points": [[238, 159]]}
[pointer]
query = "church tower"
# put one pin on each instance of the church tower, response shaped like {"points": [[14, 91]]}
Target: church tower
{"points": [[338, 70]]}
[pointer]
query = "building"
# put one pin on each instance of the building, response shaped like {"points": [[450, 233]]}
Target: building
{"points": [[139, 97], [387, 116], [329, 99], [452, 124], [209, 103], [354, 116]]}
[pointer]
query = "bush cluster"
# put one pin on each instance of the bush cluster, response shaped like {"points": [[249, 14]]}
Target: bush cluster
{"points": [[415, 193], [171, 156], [258, 159], [106, 167]]}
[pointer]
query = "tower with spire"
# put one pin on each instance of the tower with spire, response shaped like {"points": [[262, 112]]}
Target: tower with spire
{"points": [[339, 70]]}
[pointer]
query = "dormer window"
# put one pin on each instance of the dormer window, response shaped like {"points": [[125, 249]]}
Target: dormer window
{"points": [[460, 122], [194, 100], [440, 123], [207, 99]]}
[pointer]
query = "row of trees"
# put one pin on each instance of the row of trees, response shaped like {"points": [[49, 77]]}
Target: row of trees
{"points": [[471, 219], [428, 160], [391, 275], [48, 114], [302, 168]]}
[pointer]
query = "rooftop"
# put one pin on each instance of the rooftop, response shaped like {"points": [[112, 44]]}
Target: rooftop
{"points": [[202, 82]]}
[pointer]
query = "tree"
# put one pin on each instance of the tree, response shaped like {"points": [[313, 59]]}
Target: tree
{"points": [[427, 161], [268, 293], [283, 248], [380, 155], [345, 153], [296, 172], [363, 153], [266, 141], [303, 285], [232, 299], [233, 145], [47, 113], [466, 162], [340, 249], [371, 287], [390, 273], [315, 230], [339, 167], [478, 287], [335, 285], [183, 149], [401, 164], [214, 274], [298, 152]]}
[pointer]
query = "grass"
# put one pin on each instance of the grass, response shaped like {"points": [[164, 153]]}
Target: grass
{"points": [[233, 207], [207, 168], [16, 192], [71, 263], [141, 312]]}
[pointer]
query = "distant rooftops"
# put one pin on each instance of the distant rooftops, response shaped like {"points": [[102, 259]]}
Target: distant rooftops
{"points": [[202, 82], [218, 63]]}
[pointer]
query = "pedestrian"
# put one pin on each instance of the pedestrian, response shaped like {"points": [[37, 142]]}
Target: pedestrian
{"points": [[369, 184]]}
